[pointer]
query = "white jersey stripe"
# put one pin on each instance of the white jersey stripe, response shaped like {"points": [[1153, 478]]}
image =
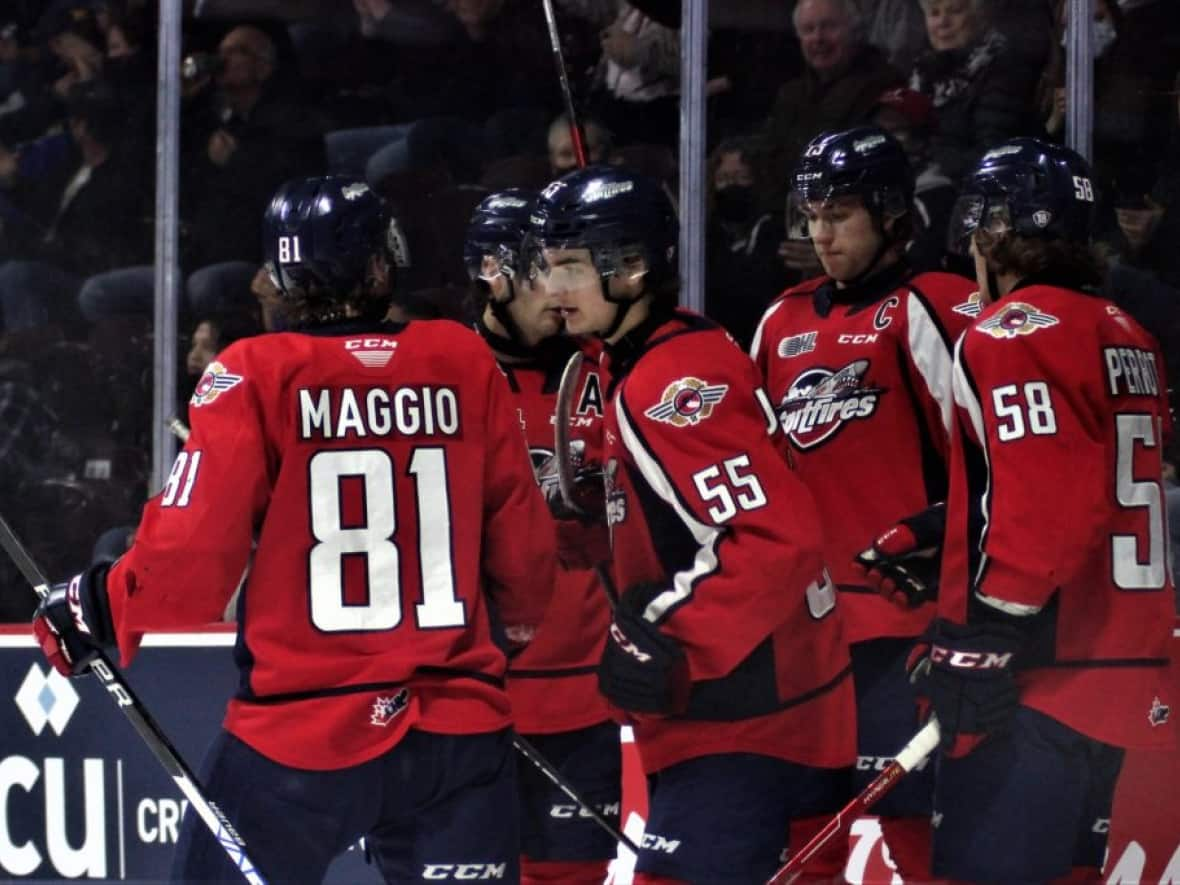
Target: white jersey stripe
{"points": [[707, 537], [930, 355]]}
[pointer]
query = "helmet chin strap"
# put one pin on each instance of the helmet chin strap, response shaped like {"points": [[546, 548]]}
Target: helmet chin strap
{"points": [[504, 318], [622, 307]]}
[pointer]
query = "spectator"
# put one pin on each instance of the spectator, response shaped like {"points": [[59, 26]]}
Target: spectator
{"points": [[909, 117], [980, 93], [743, 269], [244, 135], [96, 220], [637, 81], [841, 82], [898, 29], [562, 159]]}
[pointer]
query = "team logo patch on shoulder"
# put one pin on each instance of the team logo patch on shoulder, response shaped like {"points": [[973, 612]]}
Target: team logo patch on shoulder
{"points": [[972, 307], [1159, 713], [216, 381], [797, 344], [687, 401], [1017, 319], [386, 709]]}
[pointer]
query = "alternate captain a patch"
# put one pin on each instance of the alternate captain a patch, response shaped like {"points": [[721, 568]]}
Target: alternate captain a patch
{"points": [[1015, 319], [216, 381], [687, 401]]}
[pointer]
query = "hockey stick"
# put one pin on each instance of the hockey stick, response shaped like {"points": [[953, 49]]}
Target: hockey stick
{"points": [[561, 430], [563, 78], [920, 746], [141, 720], [546, 768]]}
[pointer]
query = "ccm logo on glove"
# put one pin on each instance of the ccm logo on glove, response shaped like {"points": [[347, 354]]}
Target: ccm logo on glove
{"points": [[627, 645], [970, 660]]}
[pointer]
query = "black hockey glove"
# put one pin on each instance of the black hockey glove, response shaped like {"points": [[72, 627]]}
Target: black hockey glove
{"points": [[589, 492], [642, 670], [903, 562], [73, 624], [966, 674]]}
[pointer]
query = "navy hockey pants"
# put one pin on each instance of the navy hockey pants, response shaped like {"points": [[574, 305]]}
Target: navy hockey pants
{"points": [[435, 806]]}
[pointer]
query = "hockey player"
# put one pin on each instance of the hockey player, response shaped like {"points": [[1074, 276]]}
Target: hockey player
{"points": [[1055, 599], [555, 699], [857, 362], [725, 649], [397, 518]]}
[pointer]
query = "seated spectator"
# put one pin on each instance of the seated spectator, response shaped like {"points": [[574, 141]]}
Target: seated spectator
{"points": [[95, 221], [840, 85], [981, 94], [743, 269], [909, 117]]}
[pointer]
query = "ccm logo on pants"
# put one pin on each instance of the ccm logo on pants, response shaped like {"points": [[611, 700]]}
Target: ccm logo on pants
{"points": [[466, 872]]}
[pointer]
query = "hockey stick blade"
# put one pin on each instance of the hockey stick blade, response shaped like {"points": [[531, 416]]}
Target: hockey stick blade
{"points": [[141, 720], [920, 746], [546, 768], [561, 430]]}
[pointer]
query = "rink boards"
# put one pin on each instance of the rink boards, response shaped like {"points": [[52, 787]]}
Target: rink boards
{"points": [[81, 797]]}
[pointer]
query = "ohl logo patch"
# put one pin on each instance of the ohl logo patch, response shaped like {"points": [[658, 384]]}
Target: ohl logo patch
{"points": [[1017, 319], [687, 401], [820, 402], [216, 381]]}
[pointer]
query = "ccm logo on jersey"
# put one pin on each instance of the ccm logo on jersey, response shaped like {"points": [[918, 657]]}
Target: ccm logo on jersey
{"points": [[216, 381], [687, 401], [970, 660], [819, 402], [1016, 319], [465, 872], [372, 353], [862, 338]]}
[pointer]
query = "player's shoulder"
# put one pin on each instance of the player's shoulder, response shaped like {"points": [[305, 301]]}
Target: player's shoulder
{"points": [[1037, 317], [944, 289], [799, 293], [691, 353]]}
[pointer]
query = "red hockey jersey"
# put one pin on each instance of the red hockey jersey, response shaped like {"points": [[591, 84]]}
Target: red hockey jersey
{"points": [[1056, 516], [381, 472], [703, 508], [863, 394], [552, 683]]}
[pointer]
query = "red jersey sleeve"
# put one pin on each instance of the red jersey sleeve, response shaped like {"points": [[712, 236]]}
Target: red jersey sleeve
{"points": [[1037, 488], [518, 534], [701, 443], [196, 532]]}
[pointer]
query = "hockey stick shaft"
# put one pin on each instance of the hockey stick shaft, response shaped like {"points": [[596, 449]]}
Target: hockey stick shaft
{"points": [[563, 78], [920, 746], [546, 768], [141, 720]]}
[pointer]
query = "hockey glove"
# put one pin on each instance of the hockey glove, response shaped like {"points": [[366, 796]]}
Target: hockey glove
{"points": [[642, 670], [965, 672], [73, 624], [903, 563], [589, 492]]}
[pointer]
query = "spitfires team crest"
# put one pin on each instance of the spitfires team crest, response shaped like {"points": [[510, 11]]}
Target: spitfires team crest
{"points": [[216, 381], [972, 307], [687, 401], [820, 402], [1015, 319]]}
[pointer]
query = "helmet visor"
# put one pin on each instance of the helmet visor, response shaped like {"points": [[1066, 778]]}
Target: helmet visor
{"points": [[974, 212]]}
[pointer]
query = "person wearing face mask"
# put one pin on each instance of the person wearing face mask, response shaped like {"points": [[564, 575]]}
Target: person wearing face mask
{"points": [[856, 363], [742, 268]]}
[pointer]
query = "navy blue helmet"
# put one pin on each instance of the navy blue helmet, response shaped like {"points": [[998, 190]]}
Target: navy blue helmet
{"points": [[865, 162], [497, 228], [615, 213], [1029, 187], [321, 232]]}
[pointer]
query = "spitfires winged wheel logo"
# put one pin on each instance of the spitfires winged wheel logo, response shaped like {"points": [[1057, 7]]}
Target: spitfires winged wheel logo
{"points": [[820, 402], [216, 381], [687, 401], [1015, 319]]}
